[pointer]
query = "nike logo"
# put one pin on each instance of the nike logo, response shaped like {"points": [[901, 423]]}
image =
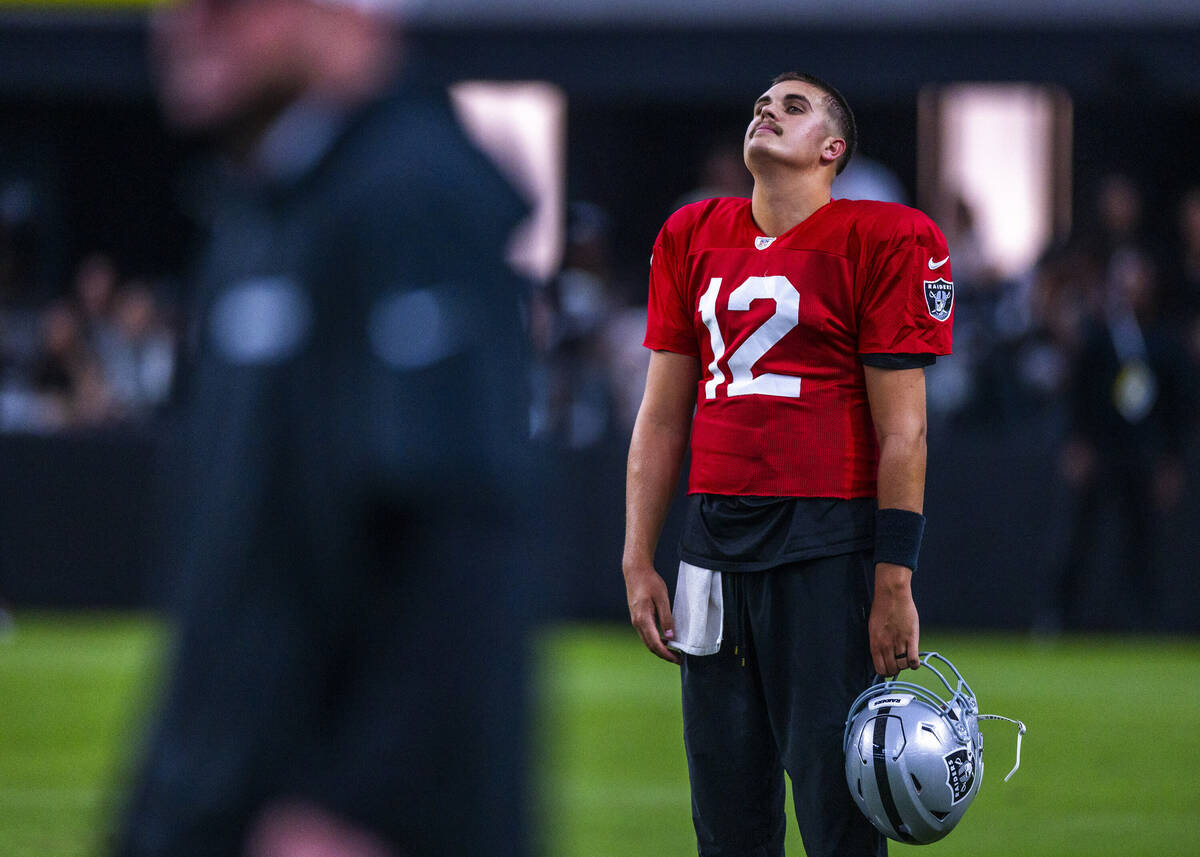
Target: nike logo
{"points": [[933, 266]]}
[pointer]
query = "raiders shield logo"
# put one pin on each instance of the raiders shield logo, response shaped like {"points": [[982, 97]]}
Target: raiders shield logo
{"points": [[960, 773], [939, 298]]}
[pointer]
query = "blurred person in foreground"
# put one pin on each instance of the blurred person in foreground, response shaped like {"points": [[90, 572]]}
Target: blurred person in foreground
{"points": [[344, 534], [798, 328]]}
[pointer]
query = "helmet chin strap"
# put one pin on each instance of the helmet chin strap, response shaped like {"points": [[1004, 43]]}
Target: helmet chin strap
{"points": [[1020, 732]]}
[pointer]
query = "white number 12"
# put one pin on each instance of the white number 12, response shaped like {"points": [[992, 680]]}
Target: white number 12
{"points": [[742, 359]]}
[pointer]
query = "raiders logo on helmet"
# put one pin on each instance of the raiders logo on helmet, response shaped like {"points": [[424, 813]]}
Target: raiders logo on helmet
{"points": [[960, 773], [939, 298]]}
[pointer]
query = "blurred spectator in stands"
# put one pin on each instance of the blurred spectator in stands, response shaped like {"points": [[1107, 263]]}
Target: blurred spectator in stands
{"points": [[68, 382], [626, 358], [1039, 325], [59, 364], [1114, 227], [139, 359], [722, 173], [95, 288], [124, 328], [973, 271], [1119, 210], [1184, 273], [1127, 392], [574, 404], [867, 178]]}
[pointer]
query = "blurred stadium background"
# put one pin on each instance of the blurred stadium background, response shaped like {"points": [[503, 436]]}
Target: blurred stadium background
{"points": [[1034, 133]]}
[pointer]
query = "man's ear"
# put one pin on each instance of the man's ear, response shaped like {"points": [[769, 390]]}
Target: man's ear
{"points": [[835, 147]]}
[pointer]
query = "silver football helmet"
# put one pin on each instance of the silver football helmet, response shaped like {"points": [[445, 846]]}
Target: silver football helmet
{"points": [[914, 761]]}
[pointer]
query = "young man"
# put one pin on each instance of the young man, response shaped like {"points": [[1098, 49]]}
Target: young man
{"points": [[798, 329]]}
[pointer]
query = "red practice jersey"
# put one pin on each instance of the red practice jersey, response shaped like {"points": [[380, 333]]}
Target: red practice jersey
{"points": [[778, 325]]}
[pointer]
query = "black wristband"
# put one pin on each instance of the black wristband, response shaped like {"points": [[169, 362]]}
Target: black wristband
{"points": [[898, 534]]}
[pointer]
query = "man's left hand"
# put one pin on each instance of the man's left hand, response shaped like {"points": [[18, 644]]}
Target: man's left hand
{"points": [[894, 627]]}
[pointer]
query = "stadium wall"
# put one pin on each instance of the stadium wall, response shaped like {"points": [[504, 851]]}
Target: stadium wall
{"points": [[77, 528]]}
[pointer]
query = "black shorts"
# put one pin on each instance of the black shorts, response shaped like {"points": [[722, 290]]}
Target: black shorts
{"points": [[793, 658]]}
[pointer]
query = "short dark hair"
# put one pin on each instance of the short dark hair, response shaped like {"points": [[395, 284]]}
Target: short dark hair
{"points": [[836, 106]]}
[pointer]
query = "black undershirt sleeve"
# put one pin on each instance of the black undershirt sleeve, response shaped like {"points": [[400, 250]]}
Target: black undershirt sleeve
{"points": [[897, 361]]}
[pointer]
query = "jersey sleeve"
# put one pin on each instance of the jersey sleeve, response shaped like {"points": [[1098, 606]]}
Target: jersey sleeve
{"points": [[670, 316], [907, 300]]}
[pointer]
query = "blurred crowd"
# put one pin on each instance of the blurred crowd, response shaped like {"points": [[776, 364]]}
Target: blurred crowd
{"points": [[103, 352], [101, 355], [1028, 346]]}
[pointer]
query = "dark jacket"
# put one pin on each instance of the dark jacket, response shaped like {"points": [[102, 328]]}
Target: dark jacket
{"points": [[347, 487]]}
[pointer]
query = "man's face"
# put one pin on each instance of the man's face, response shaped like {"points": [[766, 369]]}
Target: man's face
{"points": [[790, 124], [225, 62]]}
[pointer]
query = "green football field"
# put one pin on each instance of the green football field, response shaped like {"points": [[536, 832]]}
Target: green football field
{"points": [[1110, 766]]}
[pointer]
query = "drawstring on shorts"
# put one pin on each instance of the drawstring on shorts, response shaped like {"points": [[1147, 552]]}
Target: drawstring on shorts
{"points": [[737, 605]]}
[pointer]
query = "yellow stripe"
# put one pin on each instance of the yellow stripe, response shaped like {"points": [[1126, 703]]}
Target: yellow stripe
{"points": [[77, 5]]}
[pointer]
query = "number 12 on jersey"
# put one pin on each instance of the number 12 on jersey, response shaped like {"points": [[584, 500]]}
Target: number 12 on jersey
{"points": [[740, 361]]}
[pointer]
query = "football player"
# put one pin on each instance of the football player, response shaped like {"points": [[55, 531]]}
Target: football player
{"points": [[797, 328]]}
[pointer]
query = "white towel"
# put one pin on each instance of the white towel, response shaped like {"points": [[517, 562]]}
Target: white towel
{"points": [[699, 611]]}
